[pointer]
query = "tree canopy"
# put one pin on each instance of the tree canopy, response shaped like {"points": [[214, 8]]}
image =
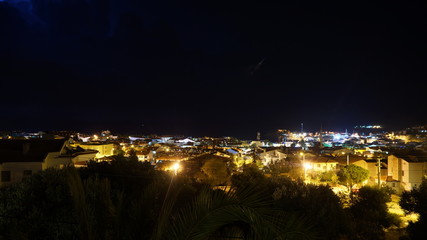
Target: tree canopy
{"points": [[415, 201], [371, 216], [128, 199], [209, 168], [351, 174]]}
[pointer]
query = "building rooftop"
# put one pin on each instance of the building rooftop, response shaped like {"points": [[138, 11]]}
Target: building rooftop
{"points": [[412, 156], [34, 150]]}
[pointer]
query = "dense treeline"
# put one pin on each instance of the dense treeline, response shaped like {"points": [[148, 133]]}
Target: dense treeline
{"points": [[127, 199], [415, 201]]}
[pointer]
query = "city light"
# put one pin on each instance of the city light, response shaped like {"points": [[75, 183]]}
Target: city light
{"points": [[308, 166], [176, 167]]}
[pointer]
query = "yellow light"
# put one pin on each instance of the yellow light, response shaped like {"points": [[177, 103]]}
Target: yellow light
{"points": [[176, 167], [308, 166], [302, 154]]}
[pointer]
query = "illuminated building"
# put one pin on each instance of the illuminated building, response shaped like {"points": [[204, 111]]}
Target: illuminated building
{"points": [[406, 171], [104, 149], [272, 156], [22, 158], [368, 129]]}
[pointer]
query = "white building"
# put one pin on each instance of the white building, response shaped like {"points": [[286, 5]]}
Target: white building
{"points": [[22, 158], [271, 156], [406, 172]]}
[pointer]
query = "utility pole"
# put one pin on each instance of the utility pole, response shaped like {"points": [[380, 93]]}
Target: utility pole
{"points": [[379, 172], [348, 157], [254, 156], [303, 165], [321, 136]]}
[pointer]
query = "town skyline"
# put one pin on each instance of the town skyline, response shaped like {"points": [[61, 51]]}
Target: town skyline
{"points": [[267, 134]]}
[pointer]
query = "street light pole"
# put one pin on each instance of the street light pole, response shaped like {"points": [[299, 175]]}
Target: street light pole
{"points": [[305, 173], [303, 165], [379, 173], [348, 157]]}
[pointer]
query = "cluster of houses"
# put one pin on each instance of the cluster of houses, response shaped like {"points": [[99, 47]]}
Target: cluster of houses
{"points": [[400, 168], [20, 158]]}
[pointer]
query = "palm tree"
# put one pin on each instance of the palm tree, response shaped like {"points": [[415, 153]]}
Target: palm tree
{"points": [[240, 214], [245, 213]]}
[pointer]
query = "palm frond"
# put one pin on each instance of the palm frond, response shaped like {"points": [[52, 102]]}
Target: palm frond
{"points": [[82, 208], [163, 219], [213, 210]]}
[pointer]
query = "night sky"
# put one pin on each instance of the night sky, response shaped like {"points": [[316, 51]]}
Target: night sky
{"points": [[211, 67]]}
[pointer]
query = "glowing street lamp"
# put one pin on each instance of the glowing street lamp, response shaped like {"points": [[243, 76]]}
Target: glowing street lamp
{"points": [[176, 167], [307, 166]]}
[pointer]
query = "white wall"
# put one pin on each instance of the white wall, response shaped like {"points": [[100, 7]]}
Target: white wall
{"points": [[17, 170]]}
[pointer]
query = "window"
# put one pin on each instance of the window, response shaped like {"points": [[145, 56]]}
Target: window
{"points": [[403, 173], [27, 173], [394, 184], [5, 176]]}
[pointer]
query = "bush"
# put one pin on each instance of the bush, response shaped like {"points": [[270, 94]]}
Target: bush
{"points": [[370, 212], [415, 201]]}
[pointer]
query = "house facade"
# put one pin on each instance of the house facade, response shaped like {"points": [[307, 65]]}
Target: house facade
{"points": [[271, 156], [323, 164], [22, 158], [406, 172], [104, 149]]}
